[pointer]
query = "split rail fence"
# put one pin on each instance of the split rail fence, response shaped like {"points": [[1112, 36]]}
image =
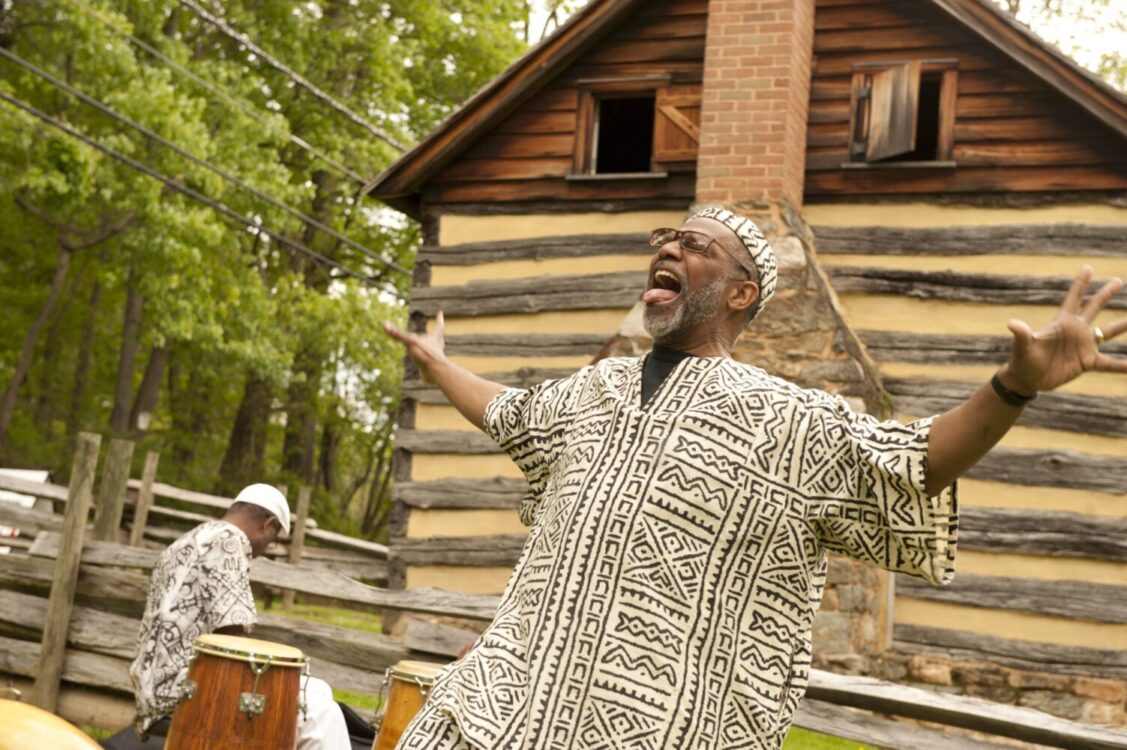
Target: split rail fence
{"points": [[72, 593]]}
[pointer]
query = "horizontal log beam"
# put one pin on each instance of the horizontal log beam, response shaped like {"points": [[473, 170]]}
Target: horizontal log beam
{"points": [[477, 551], [216, 502], [79, 667], [1059, 411], [94, 581], [464, 442], [1050, 533], [952, 286], [1075, 599], [1023, 239], [526, 207], [961, 711], [477, 494], [572, 246], [160, 489], [300, 578], [438, 638], [532, 295], [864, 726], [525, 377], [1010, 652], [35, 489], [894, 346], [90, 629], [370, 652], [1053, 469], [525, 344], [29, 520], [353, 659]]}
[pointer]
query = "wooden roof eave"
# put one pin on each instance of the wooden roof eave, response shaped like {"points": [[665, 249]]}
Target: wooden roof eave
{"points": [[1041, 59], [399, 183]]}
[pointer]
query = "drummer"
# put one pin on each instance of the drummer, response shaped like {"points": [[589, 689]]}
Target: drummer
{"points": [[201, 584]]}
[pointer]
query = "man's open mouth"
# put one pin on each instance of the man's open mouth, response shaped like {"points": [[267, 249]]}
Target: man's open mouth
{"points": [[664, 288]]}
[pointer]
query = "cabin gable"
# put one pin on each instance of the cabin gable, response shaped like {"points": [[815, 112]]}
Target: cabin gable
{"points": [[1010, 131], [547, 148]]}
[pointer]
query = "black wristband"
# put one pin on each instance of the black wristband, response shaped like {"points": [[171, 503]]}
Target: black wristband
{"points": [[1004, 393]]}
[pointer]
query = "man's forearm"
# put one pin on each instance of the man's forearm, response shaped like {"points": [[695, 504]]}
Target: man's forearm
{"points": [[469, 393], [963, 435]]}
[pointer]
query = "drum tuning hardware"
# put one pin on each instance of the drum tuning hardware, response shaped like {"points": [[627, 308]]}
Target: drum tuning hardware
{"points": [[187, 690], [254, 703], [303, 705], [381, 701]]}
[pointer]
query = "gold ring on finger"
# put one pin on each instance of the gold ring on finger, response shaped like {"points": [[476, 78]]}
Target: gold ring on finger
{"points": [[1100, 338]]}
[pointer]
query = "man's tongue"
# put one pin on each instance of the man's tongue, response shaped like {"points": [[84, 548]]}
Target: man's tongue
{"points": [[657, 296]]}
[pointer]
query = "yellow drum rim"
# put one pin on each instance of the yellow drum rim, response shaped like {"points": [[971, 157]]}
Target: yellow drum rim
{"points": [[415, 671], [239, 648]]}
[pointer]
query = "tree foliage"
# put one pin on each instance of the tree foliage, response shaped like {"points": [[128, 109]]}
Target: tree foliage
{"points": [[1092, 32], [237, 358]]}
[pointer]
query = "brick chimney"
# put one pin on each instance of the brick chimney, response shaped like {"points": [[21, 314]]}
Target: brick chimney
{"points": [[755, 101]]}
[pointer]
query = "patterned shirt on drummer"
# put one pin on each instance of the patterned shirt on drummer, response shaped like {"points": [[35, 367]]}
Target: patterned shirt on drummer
{"points": [[677, 555], [201, 583]]}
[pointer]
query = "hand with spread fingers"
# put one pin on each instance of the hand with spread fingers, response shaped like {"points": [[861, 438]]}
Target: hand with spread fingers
{"points": [[1041, 360], [469, 393], [1068, 346]]}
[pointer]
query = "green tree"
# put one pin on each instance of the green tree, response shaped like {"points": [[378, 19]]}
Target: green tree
{"points": [[140, 311]]}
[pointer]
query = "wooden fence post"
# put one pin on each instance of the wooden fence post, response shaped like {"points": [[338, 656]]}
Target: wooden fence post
{"points": [[144, 499], [111, 493], [53, 646], [297, 537]]}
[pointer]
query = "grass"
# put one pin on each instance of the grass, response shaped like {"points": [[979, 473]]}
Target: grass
{"points": [[344, 618], [359, 701], [97, 733], [804, 739]]}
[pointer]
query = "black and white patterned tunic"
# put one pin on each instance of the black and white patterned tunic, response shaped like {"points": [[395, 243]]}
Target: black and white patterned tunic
{"points": [[200, 583], [677, 556]]}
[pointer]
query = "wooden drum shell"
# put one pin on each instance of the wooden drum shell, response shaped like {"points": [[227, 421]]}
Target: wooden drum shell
{"points": [[408, 684], [211, 719]]}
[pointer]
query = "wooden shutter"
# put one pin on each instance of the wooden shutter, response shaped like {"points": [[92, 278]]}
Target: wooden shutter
{"points": [[893, 109], [676, 124]]}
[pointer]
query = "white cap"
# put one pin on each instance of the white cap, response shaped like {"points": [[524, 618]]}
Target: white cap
{"points": [[265, 496]]}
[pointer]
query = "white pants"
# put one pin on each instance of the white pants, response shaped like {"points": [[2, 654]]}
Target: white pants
{"points": [[321, 726]]}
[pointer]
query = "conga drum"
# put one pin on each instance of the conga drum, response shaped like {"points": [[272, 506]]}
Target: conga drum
{"points": [[23, 726], [241, 694], [407, 684]]}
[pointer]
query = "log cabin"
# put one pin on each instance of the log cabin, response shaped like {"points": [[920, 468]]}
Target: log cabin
{"points": [[925, 169]]}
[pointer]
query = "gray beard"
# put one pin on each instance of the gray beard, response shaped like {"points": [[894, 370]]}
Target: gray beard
{"points": [[696, 307]]}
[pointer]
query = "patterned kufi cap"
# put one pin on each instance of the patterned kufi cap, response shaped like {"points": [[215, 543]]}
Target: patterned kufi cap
{"points": [[761, 254]]}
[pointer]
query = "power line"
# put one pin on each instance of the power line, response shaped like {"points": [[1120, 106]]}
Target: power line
{"points": [[293, 75], [189, 192], [230, 100], [101, 107]]}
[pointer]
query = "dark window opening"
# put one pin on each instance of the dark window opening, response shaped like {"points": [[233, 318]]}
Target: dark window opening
{"points": [[927, 121], [624, 141]]}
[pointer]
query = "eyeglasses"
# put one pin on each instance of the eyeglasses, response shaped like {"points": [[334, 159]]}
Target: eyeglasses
{"points": [[693, 242]]}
